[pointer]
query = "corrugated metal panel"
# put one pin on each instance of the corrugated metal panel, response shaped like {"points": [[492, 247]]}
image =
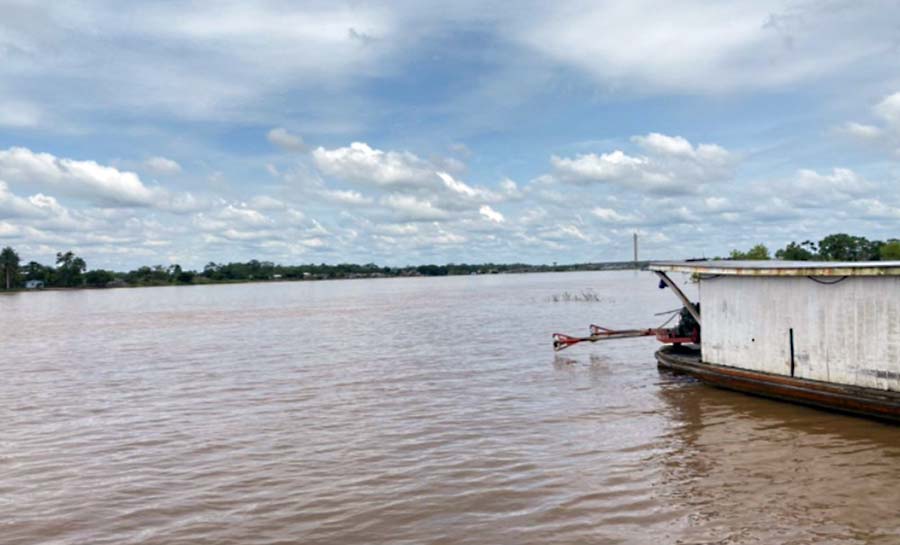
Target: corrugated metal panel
{"points": [[846, 332], [781, 268]]}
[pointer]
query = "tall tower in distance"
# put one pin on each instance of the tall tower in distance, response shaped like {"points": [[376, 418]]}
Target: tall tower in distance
{"points": [[635, 250]]}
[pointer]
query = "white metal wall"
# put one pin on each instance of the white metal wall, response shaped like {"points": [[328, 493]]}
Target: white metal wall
{"points": [[847, 333]]}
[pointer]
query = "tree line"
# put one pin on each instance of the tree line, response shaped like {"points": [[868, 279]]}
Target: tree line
{"points": [[70, 271], [835, 247]]}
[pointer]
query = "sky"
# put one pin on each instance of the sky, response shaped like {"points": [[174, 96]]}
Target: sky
{"points": [[411, 132]]}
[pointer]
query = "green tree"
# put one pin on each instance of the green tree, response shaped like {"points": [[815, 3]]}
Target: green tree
{"points": [[805, 251], [70, 268], [35, 271], [756, 253], [174, 271], [185, 277], [148, 276], [843, 247], [213, 271], [179, 275], [9, 262], [160, 275], [99, 278], [890, 250], [432, 270]]}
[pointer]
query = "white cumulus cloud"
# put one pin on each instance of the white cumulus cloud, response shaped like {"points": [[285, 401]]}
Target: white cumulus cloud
{"points": [[88, 179], [876, 209], [609, 215], [283, 139], [706, 47], [344, 196], [862, 131], [808, 188], [363, 164], [490, 214], [671, 164], [889, 110], [886, 133], [162, 165], [409, 208], [466, 193]]}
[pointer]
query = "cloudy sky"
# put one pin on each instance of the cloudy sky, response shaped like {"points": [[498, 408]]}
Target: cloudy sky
{"points": [[412, 132]]}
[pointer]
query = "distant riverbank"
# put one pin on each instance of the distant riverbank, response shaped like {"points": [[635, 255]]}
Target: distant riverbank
{"points": [[257, 272]]}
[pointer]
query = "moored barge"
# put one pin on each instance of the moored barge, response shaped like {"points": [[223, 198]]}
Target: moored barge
{"points": [[823, 334]]}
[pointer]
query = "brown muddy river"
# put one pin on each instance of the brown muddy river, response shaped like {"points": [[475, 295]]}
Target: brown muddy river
{"points": [[404, 411]]}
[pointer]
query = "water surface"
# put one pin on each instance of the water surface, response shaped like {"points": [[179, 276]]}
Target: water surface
{"points": [[404, 411]]}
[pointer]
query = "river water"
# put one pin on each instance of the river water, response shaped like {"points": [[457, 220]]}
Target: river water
{"points": [[404, 411]]}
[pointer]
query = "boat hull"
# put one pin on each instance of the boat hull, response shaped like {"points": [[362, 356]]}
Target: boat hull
{"points": [[879, 404]]}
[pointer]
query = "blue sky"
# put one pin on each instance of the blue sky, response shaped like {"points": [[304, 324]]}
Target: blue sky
{"points": [[416, 132]]}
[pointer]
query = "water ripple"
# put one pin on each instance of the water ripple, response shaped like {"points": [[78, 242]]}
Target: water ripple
{"points": [[403, 411]]}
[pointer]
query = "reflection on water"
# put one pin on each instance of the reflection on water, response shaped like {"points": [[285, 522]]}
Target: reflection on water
{"points": [[773, 472], [404, 411]]}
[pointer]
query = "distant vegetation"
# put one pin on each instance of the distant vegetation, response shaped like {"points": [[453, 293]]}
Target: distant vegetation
{"points": [[758, 252], [836, 247], [70, 271]]}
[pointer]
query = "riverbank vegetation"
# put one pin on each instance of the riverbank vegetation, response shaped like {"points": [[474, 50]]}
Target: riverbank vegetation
{"points": [[70, 271], [836, 247]]}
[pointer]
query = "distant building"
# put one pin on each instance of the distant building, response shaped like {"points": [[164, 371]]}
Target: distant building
{"points": [[34, 284]]}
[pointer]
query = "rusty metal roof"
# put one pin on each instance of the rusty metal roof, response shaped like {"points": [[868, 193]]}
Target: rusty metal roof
{"points": [[780, 268]]}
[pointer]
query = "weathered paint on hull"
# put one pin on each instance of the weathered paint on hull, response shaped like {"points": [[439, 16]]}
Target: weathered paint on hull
{"points": [[883, 405]]}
